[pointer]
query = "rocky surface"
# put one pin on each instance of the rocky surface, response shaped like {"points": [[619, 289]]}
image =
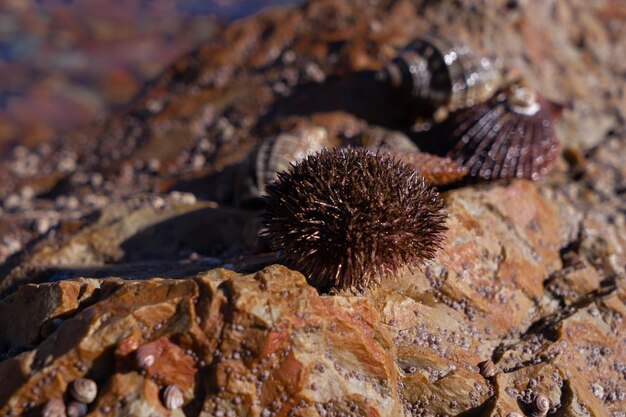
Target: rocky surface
{"points": [[118, 230]]}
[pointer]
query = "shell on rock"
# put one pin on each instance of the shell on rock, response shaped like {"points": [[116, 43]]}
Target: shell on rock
{"points": [[276, 154], [146, 355], [54, 408], [435, 169], [487, 368], [436, 71], [84, 390], [76, 409], [510, 135], [172, 397], [541, 405]]}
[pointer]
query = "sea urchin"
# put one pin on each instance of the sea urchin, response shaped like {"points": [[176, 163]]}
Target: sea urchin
{"points": [[349, 217]]}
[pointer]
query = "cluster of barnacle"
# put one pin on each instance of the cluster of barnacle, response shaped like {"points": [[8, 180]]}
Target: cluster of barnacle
{"points": [[348, 217]]}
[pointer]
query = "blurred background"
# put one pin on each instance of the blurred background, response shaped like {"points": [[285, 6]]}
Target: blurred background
{"points": [[67, 63]]}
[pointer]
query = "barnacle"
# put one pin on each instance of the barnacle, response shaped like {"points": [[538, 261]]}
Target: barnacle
{"points": [[350, 217]]}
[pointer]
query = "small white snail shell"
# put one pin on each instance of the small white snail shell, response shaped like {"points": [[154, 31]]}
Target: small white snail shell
{"points": [[84, 390], [172, 397], [54, 408], [541, 405], [76, 409], [146, 355]]}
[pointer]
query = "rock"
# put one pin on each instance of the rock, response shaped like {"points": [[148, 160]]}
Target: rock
{"points": [[267, 343], [268, 340], [141, 211]]}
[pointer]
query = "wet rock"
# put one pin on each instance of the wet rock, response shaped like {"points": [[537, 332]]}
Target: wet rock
{"points": [[141, 210]]}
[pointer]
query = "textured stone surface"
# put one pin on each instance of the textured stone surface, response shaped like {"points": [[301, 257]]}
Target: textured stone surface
{"points": [[268, 343], [140, 211]]}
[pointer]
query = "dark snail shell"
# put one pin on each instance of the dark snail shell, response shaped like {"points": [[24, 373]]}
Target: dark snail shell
{"points": [[172, 397], [511, 135], [435, 71], [274, 155], [54, 408], [84, 390], [541, 405]]}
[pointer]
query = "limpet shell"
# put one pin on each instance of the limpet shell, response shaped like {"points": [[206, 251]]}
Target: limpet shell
{"points": [[510, 135]]}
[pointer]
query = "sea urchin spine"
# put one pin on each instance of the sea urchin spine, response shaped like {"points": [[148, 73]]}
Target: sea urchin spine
{"points": [[350, 217]]}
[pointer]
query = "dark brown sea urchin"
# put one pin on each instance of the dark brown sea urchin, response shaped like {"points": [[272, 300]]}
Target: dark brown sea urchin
{"points": [[349, 217]]}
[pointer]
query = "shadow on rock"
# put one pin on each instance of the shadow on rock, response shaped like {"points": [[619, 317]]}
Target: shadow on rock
{"points": [[220, 232], [358, 93]]}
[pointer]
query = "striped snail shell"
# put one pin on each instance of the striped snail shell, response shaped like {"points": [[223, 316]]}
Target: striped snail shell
{"points": [[274, 155], [510, 135], [487, 368], [436, 71], [541, 405], [54, 408], [172, 397], [84, 390], [146, 355]]}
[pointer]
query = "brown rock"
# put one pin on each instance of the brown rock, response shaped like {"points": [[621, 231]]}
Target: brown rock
{"points": [[531, 275], [273, 338]]}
